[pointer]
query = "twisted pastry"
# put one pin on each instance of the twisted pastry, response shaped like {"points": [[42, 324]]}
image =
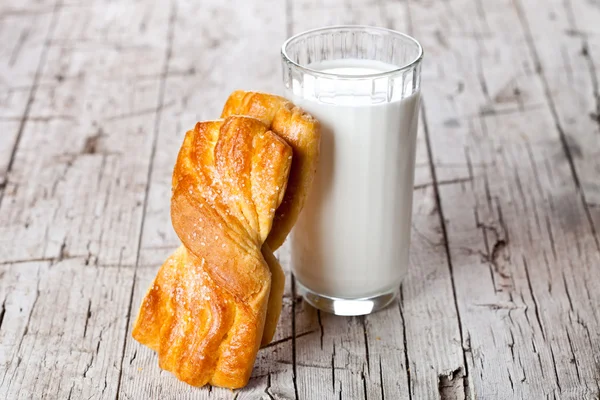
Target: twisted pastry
{"points": [[302, 132], [205, 312]]}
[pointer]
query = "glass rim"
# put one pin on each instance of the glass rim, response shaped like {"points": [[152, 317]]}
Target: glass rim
{"points": [[398, 69]]}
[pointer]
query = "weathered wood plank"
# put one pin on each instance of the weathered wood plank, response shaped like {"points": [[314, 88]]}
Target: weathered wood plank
{"points": [[521, 244], [410, 348], [24, 29], [78, 182], [19, 293], [276, 362], [74, 201], [217, 48], [62, 330], [570, 67], [511, 119]]}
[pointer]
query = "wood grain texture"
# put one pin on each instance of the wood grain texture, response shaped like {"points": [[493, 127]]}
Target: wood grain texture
{"points": [[78, 181], [413, 349], [569, 63], [500, 301], [25, 27], [62, 328], [215, 49], [71, 214], [520, 242]]}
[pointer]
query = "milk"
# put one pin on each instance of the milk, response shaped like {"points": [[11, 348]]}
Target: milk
{"points": [[352, 238]]}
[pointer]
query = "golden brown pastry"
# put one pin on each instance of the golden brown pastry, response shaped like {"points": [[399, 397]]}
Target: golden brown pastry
{"points": [[204, 315], [301, 131], [205, 312]]}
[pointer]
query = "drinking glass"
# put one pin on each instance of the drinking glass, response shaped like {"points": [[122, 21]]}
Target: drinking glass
{"points": [[350, 246]]}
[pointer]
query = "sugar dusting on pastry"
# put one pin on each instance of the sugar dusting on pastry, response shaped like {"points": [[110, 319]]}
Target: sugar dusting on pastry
{"points": [[236, 184]]}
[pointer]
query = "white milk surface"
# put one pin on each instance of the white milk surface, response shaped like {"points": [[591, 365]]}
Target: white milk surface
{"points": [[352, 238]]}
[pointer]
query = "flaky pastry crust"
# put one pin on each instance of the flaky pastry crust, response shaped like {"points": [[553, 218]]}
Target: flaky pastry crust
{"points": [[204, 315], [238, 186]]}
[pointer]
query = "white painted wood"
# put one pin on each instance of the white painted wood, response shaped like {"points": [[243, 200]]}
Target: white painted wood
{"points": [[63, 329], [427, 317], [506, 308], [520, 242], [217, 48], [71, 214], [571, 64], [78, 182], [24, 29]]}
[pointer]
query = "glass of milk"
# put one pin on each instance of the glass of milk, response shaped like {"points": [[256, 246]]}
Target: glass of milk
{"points": [[350, 244]]}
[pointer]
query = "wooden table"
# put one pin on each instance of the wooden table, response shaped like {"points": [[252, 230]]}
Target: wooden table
{"points": [[502, 300]]}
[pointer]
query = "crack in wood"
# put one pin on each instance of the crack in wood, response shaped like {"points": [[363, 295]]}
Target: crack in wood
{"points": [[424, 237], [551, 238], [569, 299], [294, 368], [267, 392], [286, 339], [62, 177], [364, 382], [511, 345], [133, 357], [88, 366], [451, 385], [333, 367], [26, 327], [2, 313], [17, 49], [87, 318], [71, 391], [35, 85], [146, 111], [318, 366], [381, 380], [99, 341], [446, 182], [553, 108], [65, 256], [499, 249], [405, 341], [499, 306], [92, 143], [478, 39], [574, 359], [499, 245], [555, 369], [62, 252], [364, 326], [536, 308], [39, 118], [320, 327], [442, 221]]}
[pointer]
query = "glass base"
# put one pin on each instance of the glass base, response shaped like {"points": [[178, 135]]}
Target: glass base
{"points": [[346, 307]]}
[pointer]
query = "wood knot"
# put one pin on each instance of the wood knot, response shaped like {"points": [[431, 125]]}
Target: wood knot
{"points": [[92, 143]]}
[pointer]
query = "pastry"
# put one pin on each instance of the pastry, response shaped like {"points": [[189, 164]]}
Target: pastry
{"points": [[204, 315], [205, 312], [302, 132]]}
